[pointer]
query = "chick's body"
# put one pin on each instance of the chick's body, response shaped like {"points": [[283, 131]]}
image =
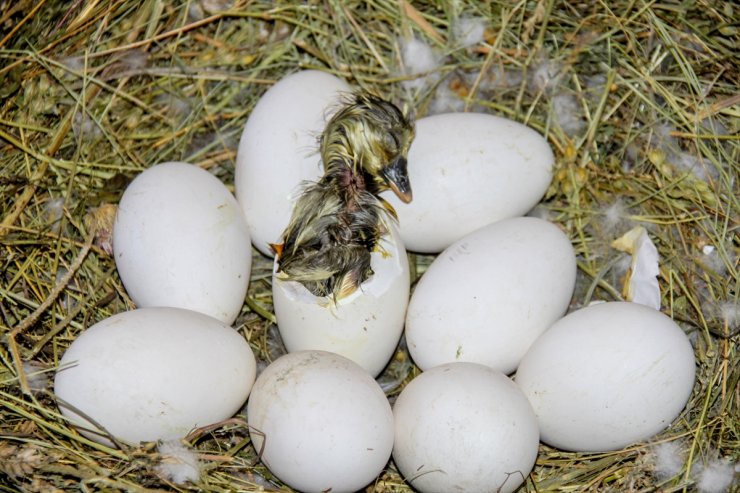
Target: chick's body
{"points": [[338, 221]]}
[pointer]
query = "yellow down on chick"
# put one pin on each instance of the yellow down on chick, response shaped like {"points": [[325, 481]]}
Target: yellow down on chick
{"points": [[336, 222]]}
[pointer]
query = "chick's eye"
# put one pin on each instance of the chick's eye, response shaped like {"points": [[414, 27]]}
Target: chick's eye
{"points": [[391, 142]]}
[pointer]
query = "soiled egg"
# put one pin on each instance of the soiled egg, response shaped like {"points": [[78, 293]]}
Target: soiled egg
{"points": [[365, 326], [278, 150], [153, 374], [180, 240], [464, 427], [606, 376], [320, 422], [488, 296], [468, 170]]}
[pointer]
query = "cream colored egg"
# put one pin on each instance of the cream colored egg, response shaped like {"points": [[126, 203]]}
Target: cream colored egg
{"points": [[464, 427], [180, 240], [278, 150], [468, 170], [607, 376], [487, 297], [320, 422], [153, 374], [365, 326]]}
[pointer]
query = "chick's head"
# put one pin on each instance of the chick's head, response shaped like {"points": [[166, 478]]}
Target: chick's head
{"points": [[375, 135]]}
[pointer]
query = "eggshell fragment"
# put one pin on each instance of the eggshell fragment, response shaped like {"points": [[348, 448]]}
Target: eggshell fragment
{"points": [[365, 326], [468, 170], [320, 422], [180, 240], [278, 150], [154, 374], [464, 427], [607, 376], [487, 297]]}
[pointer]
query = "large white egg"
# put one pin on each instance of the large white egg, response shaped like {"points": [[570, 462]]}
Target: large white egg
{"points": [[365, 326], [154, 374], [487, 297], [464, 427], [607, 376], [180, 240], [468, 170], [320, 422], [278, 150]]}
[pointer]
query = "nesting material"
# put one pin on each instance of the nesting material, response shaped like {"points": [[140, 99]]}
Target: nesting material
{"points": [[178, 463]]}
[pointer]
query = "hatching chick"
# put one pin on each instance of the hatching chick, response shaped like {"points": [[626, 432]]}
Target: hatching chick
{"points": [[337, 222]]}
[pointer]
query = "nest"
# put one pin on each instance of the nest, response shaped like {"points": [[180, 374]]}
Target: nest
{"points": [[638, 100]]}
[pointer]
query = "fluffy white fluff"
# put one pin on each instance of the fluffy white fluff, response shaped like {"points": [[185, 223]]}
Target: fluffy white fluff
{"points": [[716, 476], [668, 458], [178, 464], [568, 113], [419, 58], [468, 31]]}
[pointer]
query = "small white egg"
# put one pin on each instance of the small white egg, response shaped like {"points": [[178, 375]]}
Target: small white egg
{"points": [[607, 376], [468, 170], [487, 297], [154, 374], [365, 326], [278, 150], [464, 427], [180, 240], [320, 422]]}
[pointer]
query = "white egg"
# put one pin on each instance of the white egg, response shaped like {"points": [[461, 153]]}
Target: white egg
{"points": [[365, 326], [487, 297], [154, 374], [320, 422], [180, 240], [278, 150], [607, 376], [464, 427], [468, 170]]}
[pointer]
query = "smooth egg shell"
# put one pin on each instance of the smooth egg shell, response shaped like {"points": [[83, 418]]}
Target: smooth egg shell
{"points": [[278, 150], [607, 376], [154, 374], [320, 422], [464, 427], [487, 297], [468, 170], [365, 326], [180, 240]]}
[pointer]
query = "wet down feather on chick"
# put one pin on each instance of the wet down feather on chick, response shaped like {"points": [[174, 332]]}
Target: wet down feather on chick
{"points": [[338, 221]]}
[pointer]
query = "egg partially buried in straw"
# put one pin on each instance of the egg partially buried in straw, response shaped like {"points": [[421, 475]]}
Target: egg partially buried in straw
{"points": [[341, 275], [277, 150]]}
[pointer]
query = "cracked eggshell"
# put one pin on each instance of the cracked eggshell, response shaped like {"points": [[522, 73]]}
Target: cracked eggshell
{"points": [[320, 422], [468, 170], [464, 427], [154, 374], [180, 240], [278, 150], [487, 297], [607, 376], [365, 326]]}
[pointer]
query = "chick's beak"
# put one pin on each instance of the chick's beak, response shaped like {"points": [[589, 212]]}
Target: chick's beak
{"points": [[397, 177]]}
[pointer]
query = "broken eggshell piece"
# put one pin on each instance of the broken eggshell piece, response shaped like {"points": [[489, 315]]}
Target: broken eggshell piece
{"points": [[364, 326]]}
